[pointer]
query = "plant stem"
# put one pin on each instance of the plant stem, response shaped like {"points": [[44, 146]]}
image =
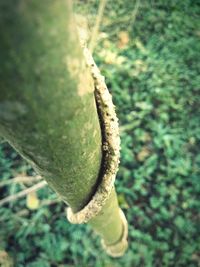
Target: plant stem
{"points": [[47, 106]]}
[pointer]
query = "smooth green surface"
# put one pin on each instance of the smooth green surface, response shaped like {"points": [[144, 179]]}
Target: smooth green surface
{"points": [[108, 222], [47, 107]]}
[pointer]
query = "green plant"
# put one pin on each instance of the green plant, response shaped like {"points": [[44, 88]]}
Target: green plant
{"points": [[155, 85]]}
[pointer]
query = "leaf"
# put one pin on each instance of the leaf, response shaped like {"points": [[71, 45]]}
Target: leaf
{"points": [[32, 201], [5, 259], [143, 154], [122, 201], [123, 39]]}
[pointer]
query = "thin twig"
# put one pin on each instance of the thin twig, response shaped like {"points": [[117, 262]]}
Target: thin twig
{"points": [[134, 14], [46, 202], [23, 193], [97, 24], [24, 212], [20, 179], [128, 19]]}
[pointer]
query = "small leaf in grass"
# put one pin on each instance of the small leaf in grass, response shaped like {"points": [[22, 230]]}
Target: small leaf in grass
{"points": [[143, 154], [5, 259], [122, 201], [32, 201], [123, 37]]}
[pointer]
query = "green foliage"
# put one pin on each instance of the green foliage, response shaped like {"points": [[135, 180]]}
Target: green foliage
{"points": [[154, 81]]}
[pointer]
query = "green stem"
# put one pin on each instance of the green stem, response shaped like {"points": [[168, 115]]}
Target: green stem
{"points": [[106, 223], [47, 106]]}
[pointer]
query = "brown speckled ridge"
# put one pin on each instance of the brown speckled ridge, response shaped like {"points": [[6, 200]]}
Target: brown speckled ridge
{"points": [[110, 146]]}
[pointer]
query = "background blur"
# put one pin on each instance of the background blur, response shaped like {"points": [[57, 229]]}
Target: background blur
{"points": [[149, 52]]}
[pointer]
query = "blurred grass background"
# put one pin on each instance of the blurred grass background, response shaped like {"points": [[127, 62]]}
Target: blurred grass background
{"points": [[149, 53]]}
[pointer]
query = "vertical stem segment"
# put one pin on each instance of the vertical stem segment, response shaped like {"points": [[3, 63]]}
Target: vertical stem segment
{"points": [[47, 107]]}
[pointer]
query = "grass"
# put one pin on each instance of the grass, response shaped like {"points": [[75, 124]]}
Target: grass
{"points": [[152, 69]]}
